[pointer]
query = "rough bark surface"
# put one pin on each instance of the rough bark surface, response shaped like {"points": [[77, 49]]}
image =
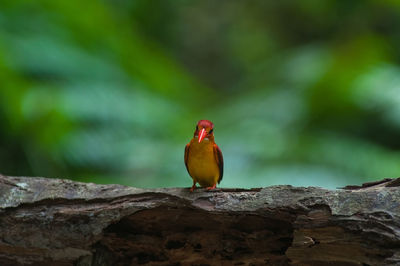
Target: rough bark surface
{"points": [[60, 222]]}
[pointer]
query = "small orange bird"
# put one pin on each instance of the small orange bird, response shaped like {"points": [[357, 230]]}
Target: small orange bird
{"points": [[203, 158]]}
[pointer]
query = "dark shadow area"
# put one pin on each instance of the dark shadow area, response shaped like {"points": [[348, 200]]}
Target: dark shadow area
{"points": [[169, 236]]}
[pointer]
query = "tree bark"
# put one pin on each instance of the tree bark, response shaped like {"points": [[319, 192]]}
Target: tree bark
{"points": [[61, 222]]}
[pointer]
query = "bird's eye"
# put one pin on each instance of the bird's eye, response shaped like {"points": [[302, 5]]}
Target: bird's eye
{"points": [[197, 127], [211, 131]]}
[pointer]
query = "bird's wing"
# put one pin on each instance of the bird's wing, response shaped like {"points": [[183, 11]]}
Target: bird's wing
{"points": [[220, 161], [187, 157]]}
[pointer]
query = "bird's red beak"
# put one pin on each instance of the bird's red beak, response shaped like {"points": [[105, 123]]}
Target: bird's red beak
{"points": [[202, 134]]}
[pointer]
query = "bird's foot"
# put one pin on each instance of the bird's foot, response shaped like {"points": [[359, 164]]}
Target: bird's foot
{"points": [[192, 188], [211, 188]]}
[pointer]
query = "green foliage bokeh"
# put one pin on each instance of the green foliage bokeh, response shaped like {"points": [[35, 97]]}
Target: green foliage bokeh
{"points": [[300, 92]]}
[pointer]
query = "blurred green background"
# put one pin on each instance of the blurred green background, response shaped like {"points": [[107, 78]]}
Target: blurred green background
{"points": [[300, 92]]}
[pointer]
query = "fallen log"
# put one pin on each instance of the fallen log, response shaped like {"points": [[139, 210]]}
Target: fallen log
{"points": [[47, 221]]}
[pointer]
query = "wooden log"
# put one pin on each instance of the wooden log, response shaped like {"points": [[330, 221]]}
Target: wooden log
{"points": [[47, 221]]}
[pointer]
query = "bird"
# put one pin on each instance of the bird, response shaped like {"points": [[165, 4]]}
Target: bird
{"points": [[203, 158]]}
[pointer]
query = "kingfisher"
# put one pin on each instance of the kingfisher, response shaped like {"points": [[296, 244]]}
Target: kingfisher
{"points": [[203, 157]]}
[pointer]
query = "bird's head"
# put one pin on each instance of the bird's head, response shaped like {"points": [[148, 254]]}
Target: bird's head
{"points": [[204, 129]]}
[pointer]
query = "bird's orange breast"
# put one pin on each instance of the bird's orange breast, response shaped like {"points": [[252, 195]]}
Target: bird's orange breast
{"points": [[202, 164]]}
